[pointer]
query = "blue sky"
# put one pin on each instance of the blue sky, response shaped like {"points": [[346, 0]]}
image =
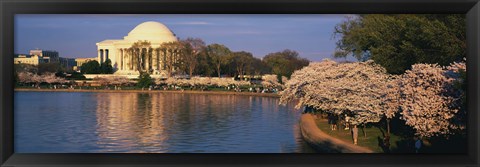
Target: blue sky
{"points": [[76, 35]]}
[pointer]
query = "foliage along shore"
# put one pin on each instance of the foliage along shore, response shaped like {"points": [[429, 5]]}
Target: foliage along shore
{"points": [[149, 91]]}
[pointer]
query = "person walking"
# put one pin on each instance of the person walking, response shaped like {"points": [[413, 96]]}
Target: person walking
{"points": [[347, 124], [334, 122], [330, 121], [418, 144], [355, 134]]}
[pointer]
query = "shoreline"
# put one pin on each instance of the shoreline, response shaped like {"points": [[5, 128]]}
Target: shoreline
{"points": [[151, 91], [322, 141]]}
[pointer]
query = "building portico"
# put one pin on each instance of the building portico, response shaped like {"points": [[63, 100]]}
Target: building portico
{"points": [[139, 50]]}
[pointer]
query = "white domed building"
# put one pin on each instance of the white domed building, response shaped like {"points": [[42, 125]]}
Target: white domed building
{"points": [[119, 52]]}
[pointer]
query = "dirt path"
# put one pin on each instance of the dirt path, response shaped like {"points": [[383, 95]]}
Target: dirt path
{"points": [[322, 141]]}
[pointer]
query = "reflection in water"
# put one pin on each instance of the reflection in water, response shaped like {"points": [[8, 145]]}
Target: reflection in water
{"points": [[155, 123]]}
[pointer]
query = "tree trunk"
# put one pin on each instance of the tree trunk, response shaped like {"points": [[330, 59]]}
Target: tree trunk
{"points": [[355, 134], [387, 138], [338, 121], [190, 72], [218, 70], [388, 127], [240, 73], [364, 132]]}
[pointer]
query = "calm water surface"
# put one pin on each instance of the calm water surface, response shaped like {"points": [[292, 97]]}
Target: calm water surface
{"points": [[66, 122]]}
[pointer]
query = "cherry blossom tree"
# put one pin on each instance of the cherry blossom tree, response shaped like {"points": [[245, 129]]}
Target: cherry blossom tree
{"points": [[102, 80], [202, 81], [425, 96], [50, 78], [221, 82], [457, 70], [271, 81], [295, 87], [391, 103], [37, 79], [171, 81], [425, 102], [340, 88], [25, 77], [119, 80]]}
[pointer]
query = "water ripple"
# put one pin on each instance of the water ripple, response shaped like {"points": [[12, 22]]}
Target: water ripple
{"points": [[64, 122]]}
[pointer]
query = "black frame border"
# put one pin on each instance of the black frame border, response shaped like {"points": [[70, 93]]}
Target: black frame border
{"points": [[9, 8]]}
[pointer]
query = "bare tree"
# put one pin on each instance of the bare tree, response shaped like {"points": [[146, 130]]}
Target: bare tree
{"points": [[141, 52], [192, 48], [171, 55]]}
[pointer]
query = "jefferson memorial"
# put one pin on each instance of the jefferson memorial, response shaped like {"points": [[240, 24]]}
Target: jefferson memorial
{"points": [[147, 57]]}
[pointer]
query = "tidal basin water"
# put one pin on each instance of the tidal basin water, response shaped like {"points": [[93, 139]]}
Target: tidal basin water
{"points": [[82, 122]]}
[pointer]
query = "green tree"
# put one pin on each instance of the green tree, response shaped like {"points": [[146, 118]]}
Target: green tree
{"points": [[25, 68], [242, 61], [90, 67], [219, 54], [205, 64], [398, 41], [49, 68], [144, 80], [284, 63], [257, 67], [76, 75], [106, 67]]}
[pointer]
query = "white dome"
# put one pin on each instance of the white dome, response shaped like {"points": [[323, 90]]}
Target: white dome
{"points": [[152, 31]]}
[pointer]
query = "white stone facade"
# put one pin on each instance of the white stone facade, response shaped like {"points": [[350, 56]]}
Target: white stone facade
{"points": [[118, 51]]}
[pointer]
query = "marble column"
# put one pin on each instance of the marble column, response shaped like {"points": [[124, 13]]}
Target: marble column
{"points": [[118, 59], [159, 60], [122, 67], [165, 59], [99, 59], [131, 60], [155, 60], [127, 59], [102, 56], [142, 60], [106, 55], [147, 60]]}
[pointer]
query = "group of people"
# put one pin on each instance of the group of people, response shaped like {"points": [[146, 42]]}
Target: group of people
{"points": [[333, 121], [345, 122]]}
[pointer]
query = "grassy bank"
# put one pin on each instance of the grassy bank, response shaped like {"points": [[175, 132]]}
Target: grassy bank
{"points": [[373, 139], [399, 143]]}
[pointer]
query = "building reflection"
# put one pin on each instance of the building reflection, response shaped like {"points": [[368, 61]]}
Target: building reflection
{"points": [[126, 121], [169, 122], [145, 122]]}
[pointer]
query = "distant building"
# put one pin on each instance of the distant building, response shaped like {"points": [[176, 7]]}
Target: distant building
{"points": [[80, 61], [52, 56], [39, 56], [29, 59], [67, 63]]}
